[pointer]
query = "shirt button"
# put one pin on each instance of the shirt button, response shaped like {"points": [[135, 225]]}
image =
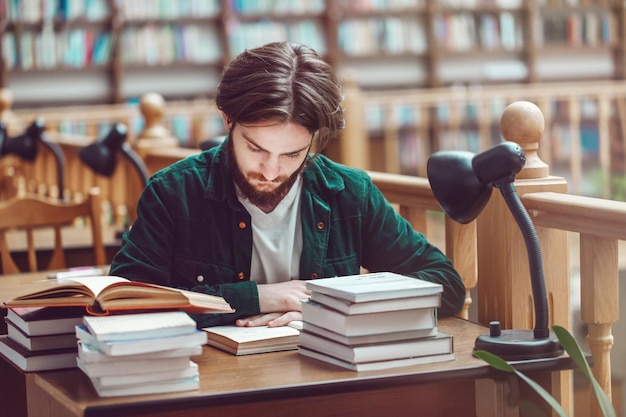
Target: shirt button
{"points": [[200, 278], [241, 275], [242, 225], [314, 275], [320, 225]]}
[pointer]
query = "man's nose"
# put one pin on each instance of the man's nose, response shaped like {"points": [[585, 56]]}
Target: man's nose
{"points": [[270, 168]]}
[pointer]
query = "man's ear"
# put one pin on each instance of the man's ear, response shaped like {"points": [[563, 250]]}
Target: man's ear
{"points": [[227, 122]]}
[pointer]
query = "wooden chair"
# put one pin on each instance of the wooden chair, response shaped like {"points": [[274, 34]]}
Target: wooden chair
{"points": [[34, 212]]}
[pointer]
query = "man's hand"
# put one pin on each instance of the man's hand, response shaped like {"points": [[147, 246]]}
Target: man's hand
{"points": [[270, 319], [282, 297], [280, 303]]}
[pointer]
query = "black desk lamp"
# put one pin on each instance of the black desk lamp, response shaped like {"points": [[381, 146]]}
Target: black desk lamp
{"points": [[462, 183], [101, 156], [26, 145]]}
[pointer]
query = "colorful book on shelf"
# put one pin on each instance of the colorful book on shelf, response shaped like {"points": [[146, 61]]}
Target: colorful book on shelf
{"points": [[102, 295], [133, 347], [373, 286], [249, 340], [43, 360], [368, 338], [377, 365], [140, 326], [43, 342], [37, 321], [370, 323], [374, 352], [404, 303]]}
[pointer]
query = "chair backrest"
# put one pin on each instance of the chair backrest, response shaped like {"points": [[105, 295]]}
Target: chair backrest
{"points": [[35, 212]]}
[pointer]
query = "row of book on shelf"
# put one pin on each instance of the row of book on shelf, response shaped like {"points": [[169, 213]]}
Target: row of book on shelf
{"points": [[361, 322]]}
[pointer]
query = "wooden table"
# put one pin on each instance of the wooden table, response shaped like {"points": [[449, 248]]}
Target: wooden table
{"points": [[287, 384]]}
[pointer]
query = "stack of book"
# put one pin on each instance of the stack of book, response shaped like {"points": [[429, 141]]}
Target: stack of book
{"points": [[41, 338], [373, 321], [143, 353]]}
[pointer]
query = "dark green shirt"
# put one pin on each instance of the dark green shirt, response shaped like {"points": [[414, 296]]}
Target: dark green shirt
{"points": [[191, 232]]}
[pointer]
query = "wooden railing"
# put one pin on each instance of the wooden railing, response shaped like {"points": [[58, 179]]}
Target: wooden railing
{"points": [[585, 125]]}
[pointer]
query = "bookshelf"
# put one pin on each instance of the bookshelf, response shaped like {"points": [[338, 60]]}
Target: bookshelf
{"points": [[112, 51]]}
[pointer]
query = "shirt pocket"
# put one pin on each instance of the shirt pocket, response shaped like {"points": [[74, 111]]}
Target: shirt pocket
{"points": [[191, 272]]}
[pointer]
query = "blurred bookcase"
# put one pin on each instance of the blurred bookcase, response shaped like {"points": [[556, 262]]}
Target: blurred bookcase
{"points": [[60, 52]]}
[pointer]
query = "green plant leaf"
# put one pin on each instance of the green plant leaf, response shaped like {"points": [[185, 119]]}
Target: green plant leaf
{"points": [[499, 363], [573, 350]]}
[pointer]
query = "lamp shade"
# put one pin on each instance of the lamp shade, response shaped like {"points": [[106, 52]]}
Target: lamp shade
{"points": [[25, 145], [101, 156], [462, 181]]}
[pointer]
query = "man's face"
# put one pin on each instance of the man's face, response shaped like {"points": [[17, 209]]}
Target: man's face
{"points": [[268, 158]]}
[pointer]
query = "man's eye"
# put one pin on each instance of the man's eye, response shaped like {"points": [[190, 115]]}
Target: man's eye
{"points": [[253, 149], [293, 155]]}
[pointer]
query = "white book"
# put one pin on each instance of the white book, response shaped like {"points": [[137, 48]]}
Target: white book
{"points": [[373, 352], [404, 303], [159, 387], [375, 366], [132, 347], [89, 354], [368, 338], [374, 286], [140, 326], [139, 366], [133, 379], [37, 321], [370, 323]]}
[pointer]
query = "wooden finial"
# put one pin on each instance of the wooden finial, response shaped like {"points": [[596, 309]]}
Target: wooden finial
{"points": [[522, 122], [154, 134], [11, 121]]}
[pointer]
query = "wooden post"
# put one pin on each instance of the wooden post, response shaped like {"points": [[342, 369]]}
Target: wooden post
{"points": [[504, 290], [353, 142]]}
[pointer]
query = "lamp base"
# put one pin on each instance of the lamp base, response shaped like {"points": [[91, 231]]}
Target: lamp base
{"points": [[518, 345]]}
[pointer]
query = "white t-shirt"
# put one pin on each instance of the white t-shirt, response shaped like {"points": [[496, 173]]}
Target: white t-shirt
{"points": [[276, 239]]}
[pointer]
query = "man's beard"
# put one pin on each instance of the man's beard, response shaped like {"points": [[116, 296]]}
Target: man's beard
{"points": [[265, 200]]}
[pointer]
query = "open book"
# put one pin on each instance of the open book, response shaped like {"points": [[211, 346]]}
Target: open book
{"points": [[102, 295]]}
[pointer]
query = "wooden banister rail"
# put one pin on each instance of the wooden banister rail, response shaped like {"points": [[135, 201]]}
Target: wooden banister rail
{"points": [[600, 224]]}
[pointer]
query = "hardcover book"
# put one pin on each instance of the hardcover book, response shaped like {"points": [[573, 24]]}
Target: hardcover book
{"points": [[368, 338], [119, 381], [30, 361], [89, 354], [37, 321], [138, 366], [132, 347], [101, 295], [374, 286], [375, 366], [140, 326], [43, 342], [370, 323], [156, 387], [404, 303], [249, 340], [373, 352]]}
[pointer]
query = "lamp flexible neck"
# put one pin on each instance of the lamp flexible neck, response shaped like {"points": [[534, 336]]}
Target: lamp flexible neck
{"points": [[535, 260]]}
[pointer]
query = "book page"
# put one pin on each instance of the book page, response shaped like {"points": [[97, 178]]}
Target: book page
{"points": [[96, 284]]}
